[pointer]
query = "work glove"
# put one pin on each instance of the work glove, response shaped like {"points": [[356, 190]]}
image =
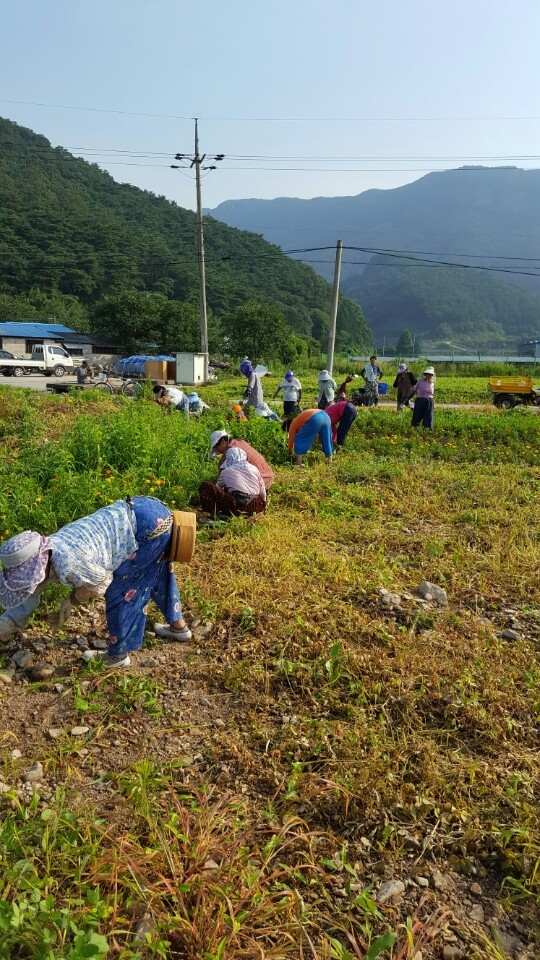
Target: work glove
{"points": [[8, 627]]}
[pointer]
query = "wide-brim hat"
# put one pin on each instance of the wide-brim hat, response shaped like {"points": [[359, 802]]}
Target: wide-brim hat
{"points": [[430, 370], [324, 375], [402, 368], [215, 437], [24, 561]]}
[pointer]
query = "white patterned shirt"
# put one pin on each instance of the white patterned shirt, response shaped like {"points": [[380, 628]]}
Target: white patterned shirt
{"points": [[88, 551]]}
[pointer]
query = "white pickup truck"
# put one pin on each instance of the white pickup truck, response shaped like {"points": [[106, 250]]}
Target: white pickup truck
{"points": [[47, 358]]}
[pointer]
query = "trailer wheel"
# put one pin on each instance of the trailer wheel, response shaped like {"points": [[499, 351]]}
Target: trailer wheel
{"points": [[507, 402], [59, 370]]}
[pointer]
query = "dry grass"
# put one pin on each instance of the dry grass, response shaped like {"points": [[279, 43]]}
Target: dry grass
{"points": [[360, 742]]}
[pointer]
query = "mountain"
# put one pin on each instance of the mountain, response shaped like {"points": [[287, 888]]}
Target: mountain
{"points": [[71, 233], [471, 216]]}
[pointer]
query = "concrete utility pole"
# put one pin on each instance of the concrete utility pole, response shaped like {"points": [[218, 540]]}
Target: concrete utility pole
{"points": [[200, 253], [333, 313], [187, 163]]}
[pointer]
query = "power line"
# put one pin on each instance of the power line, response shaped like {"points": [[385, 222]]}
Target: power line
{"points": [[173, 116]]}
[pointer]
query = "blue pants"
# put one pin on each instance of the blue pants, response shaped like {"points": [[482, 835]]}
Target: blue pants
{"points": [[145, 576], [345, 424], [423, 412], [319, 425]]}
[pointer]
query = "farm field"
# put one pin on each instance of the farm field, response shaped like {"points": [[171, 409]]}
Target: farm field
{"points": [[332, 768]]}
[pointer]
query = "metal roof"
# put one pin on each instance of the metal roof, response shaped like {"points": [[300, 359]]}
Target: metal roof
{"points": [[42, 331]]}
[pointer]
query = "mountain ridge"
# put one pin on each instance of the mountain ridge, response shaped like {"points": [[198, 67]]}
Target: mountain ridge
{"points": [[477, 216], [67, 227]]}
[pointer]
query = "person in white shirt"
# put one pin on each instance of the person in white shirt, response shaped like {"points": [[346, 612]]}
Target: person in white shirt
{"points": [[371, 373], [292, 392], [171, 397]]}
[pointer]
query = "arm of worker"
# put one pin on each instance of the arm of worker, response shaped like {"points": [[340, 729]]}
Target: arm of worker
{"points": [[16, 618]]}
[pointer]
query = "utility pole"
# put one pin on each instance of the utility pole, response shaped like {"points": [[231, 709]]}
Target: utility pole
{"points": [[333, 312], [200, 253], [196, 161]]}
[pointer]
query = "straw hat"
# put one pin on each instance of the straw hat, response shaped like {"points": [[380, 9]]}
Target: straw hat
{"points": [[183, 536]]}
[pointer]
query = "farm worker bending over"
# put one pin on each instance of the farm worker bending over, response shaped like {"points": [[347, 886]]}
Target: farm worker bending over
{"points": [[371, 373], [327, 389], [292, 392], [423, 412], [263, 410], [305, 428], [239, 489], [220, 441], [118, 552], [171, 397], [254, 390], [341, 416], [405, 383]]}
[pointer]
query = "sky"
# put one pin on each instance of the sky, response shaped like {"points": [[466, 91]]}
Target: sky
{"points": [[304, 97]]}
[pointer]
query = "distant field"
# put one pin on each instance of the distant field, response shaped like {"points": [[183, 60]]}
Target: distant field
{"points": [[448, 389]]}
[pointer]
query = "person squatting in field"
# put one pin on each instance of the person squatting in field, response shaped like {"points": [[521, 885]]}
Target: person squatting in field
{"points": [[120, 552], [404, 383], [211, 495], [423, 412], [304, 430], [342, 414], [239, 488]]}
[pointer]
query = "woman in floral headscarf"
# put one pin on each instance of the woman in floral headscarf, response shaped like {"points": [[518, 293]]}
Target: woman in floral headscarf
{"points": [[239, 489], [119, 553]]}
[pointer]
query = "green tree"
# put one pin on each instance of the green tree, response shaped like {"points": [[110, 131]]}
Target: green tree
{"points": [[132, 319], [405, 344], [258, 330]]}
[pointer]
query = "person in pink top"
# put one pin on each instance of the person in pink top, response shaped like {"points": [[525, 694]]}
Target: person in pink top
{"points": [[239, 488], [341, 416], [423, 412]]}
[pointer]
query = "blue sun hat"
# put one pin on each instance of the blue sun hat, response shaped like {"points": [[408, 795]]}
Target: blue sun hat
{"points": [[24, 559]]}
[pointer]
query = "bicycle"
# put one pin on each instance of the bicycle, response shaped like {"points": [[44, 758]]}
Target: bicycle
{"points": [[128, 388]]}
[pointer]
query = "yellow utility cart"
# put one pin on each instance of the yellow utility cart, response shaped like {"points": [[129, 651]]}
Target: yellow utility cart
{"points": [[507, 392]]}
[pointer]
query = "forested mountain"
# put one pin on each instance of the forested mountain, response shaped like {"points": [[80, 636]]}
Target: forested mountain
{"points": [[72, 237], [472, 216], [444, 305]]}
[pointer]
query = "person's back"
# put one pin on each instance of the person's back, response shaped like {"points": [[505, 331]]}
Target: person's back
{"points": [[82, 374], [257, 460], [240, 478]]}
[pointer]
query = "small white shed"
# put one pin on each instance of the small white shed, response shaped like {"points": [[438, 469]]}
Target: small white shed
{"points": [[190, 368]]}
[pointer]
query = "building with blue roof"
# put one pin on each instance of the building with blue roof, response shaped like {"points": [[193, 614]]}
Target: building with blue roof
{"points": [[19, 338]]}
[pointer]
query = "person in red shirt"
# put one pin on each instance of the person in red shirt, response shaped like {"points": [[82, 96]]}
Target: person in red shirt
{"points": [[220, 441], [341, 416]]}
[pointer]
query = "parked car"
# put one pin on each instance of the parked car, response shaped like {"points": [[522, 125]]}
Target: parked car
{"points": [[5, 355]]}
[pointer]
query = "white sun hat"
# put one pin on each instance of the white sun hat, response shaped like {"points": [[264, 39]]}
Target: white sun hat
{"points": [[215, 437]]}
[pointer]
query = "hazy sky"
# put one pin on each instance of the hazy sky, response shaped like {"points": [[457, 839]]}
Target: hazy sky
{"points": [[383, 90]]}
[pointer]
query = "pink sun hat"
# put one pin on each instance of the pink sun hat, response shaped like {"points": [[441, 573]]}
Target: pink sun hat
{"points": [[24, 559]]}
